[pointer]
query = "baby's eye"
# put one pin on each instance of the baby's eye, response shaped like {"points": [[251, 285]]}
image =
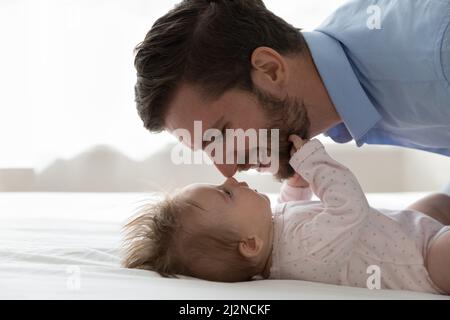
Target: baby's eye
{"points": [[228, 192]]}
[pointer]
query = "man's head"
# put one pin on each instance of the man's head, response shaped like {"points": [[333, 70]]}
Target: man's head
{"points": [[225, 63], [219, 233]]}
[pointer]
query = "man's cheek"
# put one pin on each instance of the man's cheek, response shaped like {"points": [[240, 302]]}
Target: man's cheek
{"points": [[184, 137]]}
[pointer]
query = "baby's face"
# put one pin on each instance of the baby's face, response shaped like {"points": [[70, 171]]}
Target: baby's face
{"points": [[234, 202]]}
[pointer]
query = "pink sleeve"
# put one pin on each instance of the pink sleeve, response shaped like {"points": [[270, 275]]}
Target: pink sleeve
{"points": [[332, 232], [289, 193]]}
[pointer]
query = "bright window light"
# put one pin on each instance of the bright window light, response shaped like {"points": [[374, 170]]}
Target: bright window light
{"points": [[67, 74]]}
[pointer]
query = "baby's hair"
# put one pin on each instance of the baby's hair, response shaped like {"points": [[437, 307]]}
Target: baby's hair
{"points": [[149, 238], [171, 238]]}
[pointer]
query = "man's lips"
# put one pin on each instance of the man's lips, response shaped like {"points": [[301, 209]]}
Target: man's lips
{"points": [[263, 168], [258, 167]]}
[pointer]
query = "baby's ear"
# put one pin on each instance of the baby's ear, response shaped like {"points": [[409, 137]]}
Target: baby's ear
{"points": [[251, 247]]}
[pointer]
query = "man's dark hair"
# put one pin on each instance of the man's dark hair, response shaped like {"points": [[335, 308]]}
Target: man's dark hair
{"points": [[208, 44]]}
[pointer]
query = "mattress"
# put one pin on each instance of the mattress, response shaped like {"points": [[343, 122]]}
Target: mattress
{"points": [[66, 246]]}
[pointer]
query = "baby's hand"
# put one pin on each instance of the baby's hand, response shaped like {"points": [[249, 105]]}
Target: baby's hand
{"points": [[297, 143], [297, 180]]}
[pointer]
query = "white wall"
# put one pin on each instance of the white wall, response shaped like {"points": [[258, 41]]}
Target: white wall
{"points": [[393, 169], [103, 169], [67, 80], [67, 75]]}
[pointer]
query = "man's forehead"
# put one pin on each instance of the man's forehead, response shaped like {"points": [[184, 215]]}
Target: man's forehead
{"points": [[187, 105], [190, 124], [184, 116]]}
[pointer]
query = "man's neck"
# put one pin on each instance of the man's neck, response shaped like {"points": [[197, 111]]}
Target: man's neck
{"points": [[308, 86]]}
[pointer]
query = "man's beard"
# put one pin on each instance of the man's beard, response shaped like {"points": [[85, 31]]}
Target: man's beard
{"points": [[290, 117]]}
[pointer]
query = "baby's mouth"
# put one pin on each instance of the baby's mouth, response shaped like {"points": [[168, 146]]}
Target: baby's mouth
{"points": [[262, 194], [265, 196]]}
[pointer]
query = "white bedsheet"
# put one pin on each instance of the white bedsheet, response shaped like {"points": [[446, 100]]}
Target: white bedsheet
{"points": [[65, 246]]}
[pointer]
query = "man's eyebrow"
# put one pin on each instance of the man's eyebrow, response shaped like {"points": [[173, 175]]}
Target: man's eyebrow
{"points": [[216, 125]]}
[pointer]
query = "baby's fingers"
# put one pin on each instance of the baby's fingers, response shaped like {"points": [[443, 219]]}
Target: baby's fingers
{"points": [[293, 151], [296, 141]]}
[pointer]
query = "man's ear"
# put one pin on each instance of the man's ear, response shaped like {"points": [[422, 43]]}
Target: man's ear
{"points": [[251, 247], [269, 70]]}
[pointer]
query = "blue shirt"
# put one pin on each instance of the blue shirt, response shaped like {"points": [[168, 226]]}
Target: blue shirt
{"points": [[390, 85]]}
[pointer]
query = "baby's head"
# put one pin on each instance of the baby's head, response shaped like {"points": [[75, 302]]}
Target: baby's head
{"points": [[218, 233]]}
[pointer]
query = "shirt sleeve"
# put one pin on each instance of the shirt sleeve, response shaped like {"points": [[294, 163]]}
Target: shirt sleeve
{"points": [[331, 234], [289, 193]]}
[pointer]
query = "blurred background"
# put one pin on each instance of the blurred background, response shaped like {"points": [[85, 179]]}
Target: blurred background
{"points": [[68, 120]]}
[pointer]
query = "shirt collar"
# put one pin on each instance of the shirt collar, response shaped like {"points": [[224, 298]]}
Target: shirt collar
{"points": [[357, 112]]}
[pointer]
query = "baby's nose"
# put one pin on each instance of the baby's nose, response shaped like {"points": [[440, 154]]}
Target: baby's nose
{"points": [[243, 184], [234, 182], [231, 181]]}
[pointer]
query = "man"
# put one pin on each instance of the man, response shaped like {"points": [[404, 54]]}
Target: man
{"points": [[375, 72]]}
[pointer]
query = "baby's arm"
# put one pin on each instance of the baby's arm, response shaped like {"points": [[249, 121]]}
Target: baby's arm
{"points": [[295, 189], [333, 231]]}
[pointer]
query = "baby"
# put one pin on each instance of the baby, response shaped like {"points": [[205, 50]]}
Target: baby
{"points": [[229, 232]]}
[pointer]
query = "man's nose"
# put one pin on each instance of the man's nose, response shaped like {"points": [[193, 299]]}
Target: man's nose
{"points": [[228, 170]]}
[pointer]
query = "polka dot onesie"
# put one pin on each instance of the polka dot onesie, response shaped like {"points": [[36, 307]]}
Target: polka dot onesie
{"points": [[340, 239]]}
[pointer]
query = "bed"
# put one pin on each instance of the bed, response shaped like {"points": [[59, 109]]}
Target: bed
{"points": [[65, 246]]}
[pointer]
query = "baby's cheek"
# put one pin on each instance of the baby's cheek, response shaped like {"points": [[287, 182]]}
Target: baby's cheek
{"points": [[266, 211]]}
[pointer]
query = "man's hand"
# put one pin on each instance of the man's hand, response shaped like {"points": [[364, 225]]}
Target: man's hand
{"points": [[297, 180]]}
